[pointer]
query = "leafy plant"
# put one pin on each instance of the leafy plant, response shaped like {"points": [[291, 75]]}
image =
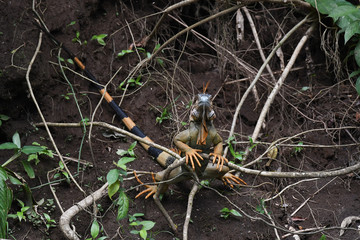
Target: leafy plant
{"points": [[6, 197], [67, 96], [20, 214], [145, 225], [32, 151], [100, 38], [236, 155], [164, 115], [77, 39], [49, 222], [115, 178], [3, 118], [95, 230], [132, 82], [323, 237], [225, 213], [299, 147], [261, 207], [71, 23], [124, 52], [347, 18]]}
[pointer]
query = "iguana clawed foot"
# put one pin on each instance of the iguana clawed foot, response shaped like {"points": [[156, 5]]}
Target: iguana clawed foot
{"points": [[231, 179], [149, 188], [221, 160], [193, 154]]}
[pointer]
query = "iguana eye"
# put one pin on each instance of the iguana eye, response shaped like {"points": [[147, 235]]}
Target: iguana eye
{"points": [[211, 115], [195, 114]]}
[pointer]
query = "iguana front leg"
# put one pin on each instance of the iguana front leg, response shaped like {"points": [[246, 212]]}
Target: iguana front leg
{"points": [[190, 153], [217, 154]]}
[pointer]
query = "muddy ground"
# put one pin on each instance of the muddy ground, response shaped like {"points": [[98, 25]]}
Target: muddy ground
{"points": [[315, 96]]}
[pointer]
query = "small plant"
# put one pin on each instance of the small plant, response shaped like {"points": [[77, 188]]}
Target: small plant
{"points": [[49, 222], [20, 214], [261, 207], [62, 172], [225, 213], [67, 96], [3, 118], [77, 39], [299, 147], [124, 52], [100, 39], [236, 155], [145, 225], [164, 115], [132, 82], [95, 230], [32, 151], [71, 24], [6, 197], [323, 237]]}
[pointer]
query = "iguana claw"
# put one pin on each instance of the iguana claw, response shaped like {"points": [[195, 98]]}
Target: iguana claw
{"points": [[229, 177], [149, 188], [193, 154], [221, 160]]}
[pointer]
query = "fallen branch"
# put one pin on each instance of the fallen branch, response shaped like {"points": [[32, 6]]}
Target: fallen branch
{"points": [[64, 222], [189, 209]]}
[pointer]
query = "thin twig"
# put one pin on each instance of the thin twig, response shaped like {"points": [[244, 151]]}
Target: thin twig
{"points": [[189, 209]]}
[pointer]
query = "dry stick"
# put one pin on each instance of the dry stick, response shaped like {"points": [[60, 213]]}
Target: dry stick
{"points": [[277, 86], [256, 37], [292, 214], [189, 209], [64, 222], [281, 80], [289, 186], [40, 113], [116, 129], [257, 77]]}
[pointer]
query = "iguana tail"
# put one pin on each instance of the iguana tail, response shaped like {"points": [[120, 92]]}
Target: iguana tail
{"points": [[162, 157]]}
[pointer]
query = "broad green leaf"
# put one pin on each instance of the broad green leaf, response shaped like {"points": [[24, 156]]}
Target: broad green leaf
{"points": [[3, 174], [147, 225], [132, 146], [143, 234], [29, 170], [357, 53], [123, 204], [5, 204], [8, 145], [353, 74], [121, 152], [113, 188], [123, 161], [112, 176], [4, 117], [95, 228], [31, 149], [16, 139], [351, 30], [235, 213], [342, 11], [357, 85]]}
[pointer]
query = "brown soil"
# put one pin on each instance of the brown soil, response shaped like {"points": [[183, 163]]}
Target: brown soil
{"points": [[330, 102]]}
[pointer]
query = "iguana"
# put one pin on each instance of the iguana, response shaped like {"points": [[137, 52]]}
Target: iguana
{"points": [[201, 136]]}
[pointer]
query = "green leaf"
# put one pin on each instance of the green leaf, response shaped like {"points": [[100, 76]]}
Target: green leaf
{"points": [[121, 152], [4, 117], [113, 188], [323, 237], [123, 52], [132, 146], [95, 229], [342, 11], [351, 30], [235, 213], [143, 234], [31, 149], [8, 145], [112, 176], [5, 204], [357, 85], [29, 170], [123, 204], [147, 225], [123, 161], [16, 139], [353, 74], [357, 53]]}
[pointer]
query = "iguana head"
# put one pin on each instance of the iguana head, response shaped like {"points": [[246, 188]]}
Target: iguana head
{"points": [[202, 113], [202, 110]]}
